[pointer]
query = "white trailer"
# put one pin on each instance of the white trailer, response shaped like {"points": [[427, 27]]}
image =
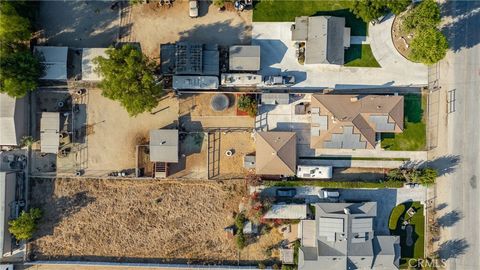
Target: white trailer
{"points": [[314, 172]]}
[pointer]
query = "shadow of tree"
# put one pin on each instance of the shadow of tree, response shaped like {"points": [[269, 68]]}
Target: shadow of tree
{"points": [[444, 164], [441, 206], [463, 13], [221, 33], [452, 248], [450, 218]]}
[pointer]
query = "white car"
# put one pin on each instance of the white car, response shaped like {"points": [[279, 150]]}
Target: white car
{"points": [[193, 8]]}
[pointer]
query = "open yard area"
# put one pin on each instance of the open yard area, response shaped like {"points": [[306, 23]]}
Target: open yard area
{"points": [[151, 26], [411, 235], [360, 56], [413, 137], [113, 134], [285, 11], [139, 221]]}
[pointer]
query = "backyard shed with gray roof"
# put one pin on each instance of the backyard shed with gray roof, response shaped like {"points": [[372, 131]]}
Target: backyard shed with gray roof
{"points": [[244, 58], [325, 37], [50, 132], [164, 145]]}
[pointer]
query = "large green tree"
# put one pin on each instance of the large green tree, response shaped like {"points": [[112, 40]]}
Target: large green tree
{"points": [[368, 10], [128, 77], [428, 46], [19, 67], [25, 225], [398, 6], [424, 15]]}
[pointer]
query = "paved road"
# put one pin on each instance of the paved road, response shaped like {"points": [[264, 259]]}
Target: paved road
{"points": [[458, 193]]}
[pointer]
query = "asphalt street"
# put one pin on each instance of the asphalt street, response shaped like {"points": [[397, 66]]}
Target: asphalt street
{"points": [[458, 192]]}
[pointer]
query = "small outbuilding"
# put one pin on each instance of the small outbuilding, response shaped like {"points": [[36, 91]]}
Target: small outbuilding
{"points": [[164, 145], [287, 211], [12, 120], [50, 132], [244, 58], [195, 82], [55, 61], [88, 66]]}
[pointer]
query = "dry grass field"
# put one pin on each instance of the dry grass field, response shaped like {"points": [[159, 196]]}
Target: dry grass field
{"points": [[135, 220]]}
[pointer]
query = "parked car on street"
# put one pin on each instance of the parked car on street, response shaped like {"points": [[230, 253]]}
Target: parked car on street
{"points": [[193, 8], [330, 194], [279, 80], [286, 192]]}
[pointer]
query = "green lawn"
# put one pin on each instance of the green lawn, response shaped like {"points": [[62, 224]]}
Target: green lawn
{"points": [[418, 223], [360, 56], [286, 11], [413, 137]]}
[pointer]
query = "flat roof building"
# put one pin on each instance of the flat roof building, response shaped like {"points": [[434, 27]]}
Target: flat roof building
{"points": [[88, 66], [55, 61], [12, 120], [195, 82], [325, 37], [164, 145], [244, 58], [184, 58], [50, 132], [342, 237]]}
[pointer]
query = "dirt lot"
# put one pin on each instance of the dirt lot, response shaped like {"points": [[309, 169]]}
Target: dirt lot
{"points": [[139, 221], [153, 26], [113, 134]]}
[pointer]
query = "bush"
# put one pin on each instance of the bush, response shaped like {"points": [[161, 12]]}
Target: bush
{"points": [[248, 104], [240, 240], [219, 3], [397, 212], [429, 46], [239, 221], [368, 10], [424, 176], [25, 225], [423, 16], [288, 267], [261, 266]]}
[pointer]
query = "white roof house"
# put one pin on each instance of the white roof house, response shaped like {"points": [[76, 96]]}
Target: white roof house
{"points": [[287, 211], [50, 132], [55, 61], [88, 67], [12, 120], [164, 145]]}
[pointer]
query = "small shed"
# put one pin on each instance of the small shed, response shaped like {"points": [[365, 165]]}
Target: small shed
{"points": [[50, 132], [8, 182], [164, 145], [88, 65], [12, 120], [244, 58], [276, 98], [55, 61], [287, 211]]}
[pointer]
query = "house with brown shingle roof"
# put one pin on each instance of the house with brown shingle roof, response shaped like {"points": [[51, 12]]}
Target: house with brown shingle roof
{"points": [[276, 153], [353, 121]]}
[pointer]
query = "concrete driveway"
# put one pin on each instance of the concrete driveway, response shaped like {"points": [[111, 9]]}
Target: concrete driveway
{"points": [[278, 57]]}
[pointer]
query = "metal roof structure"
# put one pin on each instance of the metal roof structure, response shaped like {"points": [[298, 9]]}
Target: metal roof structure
{"points": [[325, 38], [7, 197], [352, 121], [164, 145], [11, 124], [244, 58], [55, 61], [195, 82], [275, 98], [287, 211], [276, 153], [50, 132], [88, 66], [186, 58], [345, 239]]}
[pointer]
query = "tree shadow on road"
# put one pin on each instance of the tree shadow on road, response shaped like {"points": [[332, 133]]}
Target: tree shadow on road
{"points": [[450, 218], [452, 248], [444, 164], [463, 13]]}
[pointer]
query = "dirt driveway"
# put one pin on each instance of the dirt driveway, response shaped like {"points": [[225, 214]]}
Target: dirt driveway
{"points": [[113, 134], [153, 26]]}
